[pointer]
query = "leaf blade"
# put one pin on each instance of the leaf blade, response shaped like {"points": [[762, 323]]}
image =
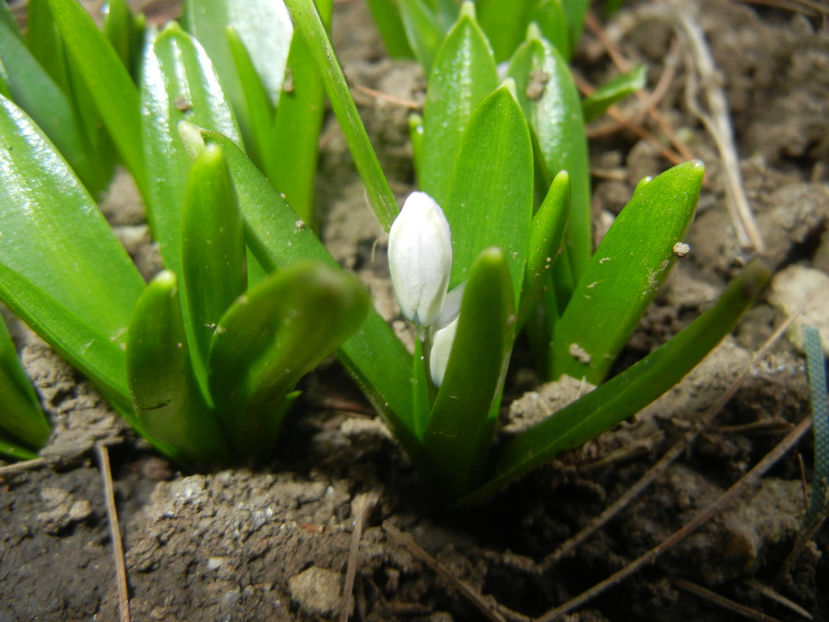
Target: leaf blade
{"points": [[625, 273]]}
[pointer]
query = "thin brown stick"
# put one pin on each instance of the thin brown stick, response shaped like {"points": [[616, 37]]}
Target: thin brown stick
{"points": [[614, 113], [392, 99], [644, 97], [460, 585], [668, 458], [766, 591], [361, 507], [717, 122], [722, 601], [749, 479], [22, 466], [114, 532]]}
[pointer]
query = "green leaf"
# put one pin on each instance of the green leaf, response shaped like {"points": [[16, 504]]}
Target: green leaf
{"points": [[265, 29], [625, 273], [422, 31], [575, 11], [374, 356], [213, 250], [464, 73], [178, 84], [608, 94], [45, 44], [118, 29], [459, 432], [387, 18], [546, 234], [505, 23], [20, 417], [109, 84], [167, 399], [312, 29], [297, 128], [550, 102], [625, 394], [491, 195], [551, 19], [271, 337], [33, 89], [13, 450], [61, 268], [259, 108], [8, 20]]}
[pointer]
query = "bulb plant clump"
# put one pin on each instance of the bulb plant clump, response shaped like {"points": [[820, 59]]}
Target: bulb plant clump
{"points": [[204, 359]]}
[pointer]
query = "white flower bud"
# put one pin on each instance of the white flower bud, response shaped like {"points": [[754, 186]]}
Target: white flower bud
{"points": [[442, 341], [420, 258], [443, 334]]}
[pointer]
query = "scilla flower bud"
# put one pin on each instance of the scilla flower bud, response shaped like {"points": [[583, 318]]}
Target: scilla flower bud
{"points": [[420, 258], [443, 334]]}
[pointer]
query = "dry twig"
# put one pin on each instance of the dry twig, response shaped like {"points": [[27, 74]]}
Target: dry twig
{"points": [[668, 458], [745, 482], [460, 585], [778, 598], [22, 466], [722, 601], [114, 532], [360, 508]]}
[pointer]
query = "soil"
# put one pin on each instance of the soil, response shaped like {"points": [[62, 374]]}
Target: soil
{"points": [[274, 543]]}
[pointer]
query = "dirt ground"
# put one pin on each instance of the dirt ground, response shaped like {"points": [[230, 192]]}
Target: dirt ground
{"points": [[277, 543]]}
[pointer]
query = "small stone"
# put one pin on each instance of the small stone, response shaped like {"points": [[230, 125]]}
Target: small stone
{"points": [[318, 591], [797, 288]]}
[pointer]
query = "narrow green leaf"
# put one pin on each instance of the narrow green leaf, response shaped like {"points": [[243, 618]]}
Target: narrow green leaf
{"points": [[213, 249], [505, 23], [423, 31], [167, 399], [118, 29], [76, 286], [111, 87], [14, 451], [311, 27], [297, 129], [33, 89], [259, 107], [625, 273], [551, 19], [8, 20], [625, 394], [264, 26], [43, 39], [271, 337], [550, 102], [464, 73], [20, 416], [387, 18], [575, 11], [459, 433], [4, 81], [178, 84], [546, 234], [491, 194], [608, 94], [374, 356]]}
